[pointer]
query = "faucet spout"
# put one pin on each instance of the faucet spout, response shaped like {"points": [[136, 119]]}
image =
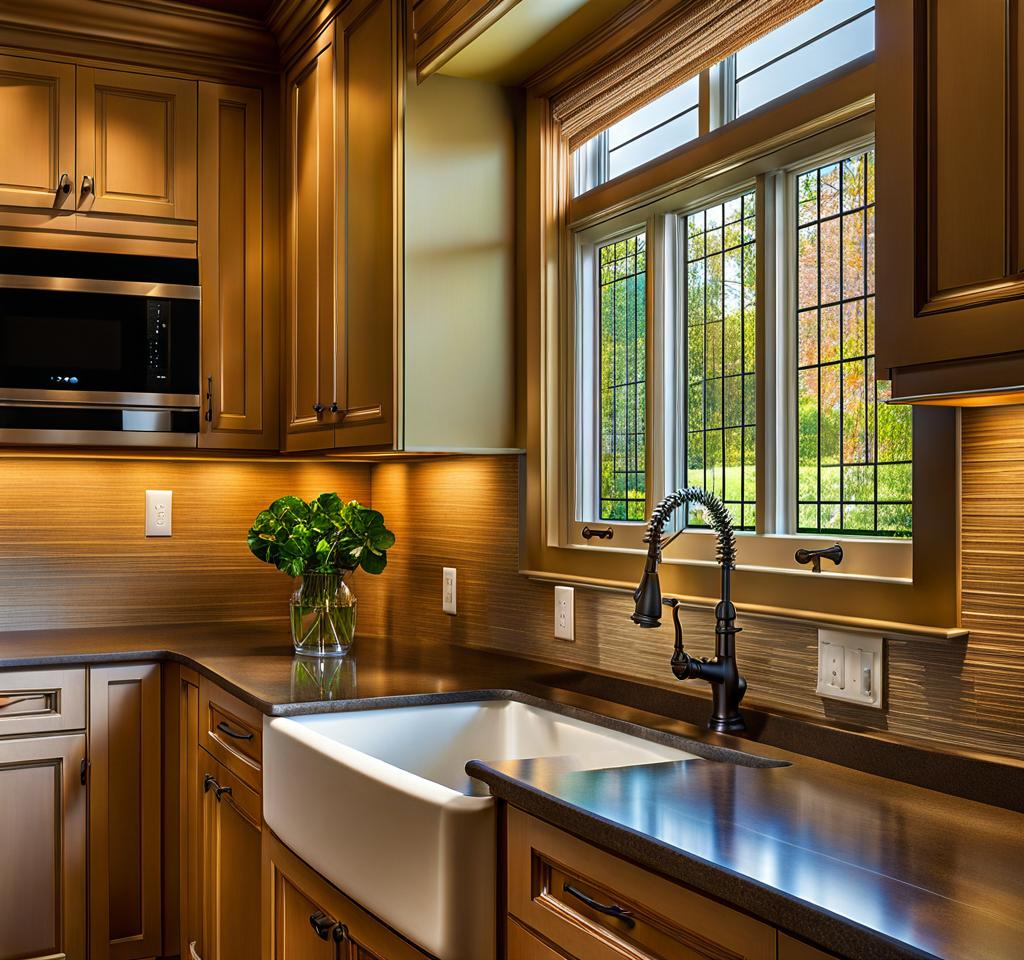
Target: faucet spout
{"points": [[728, 687]]}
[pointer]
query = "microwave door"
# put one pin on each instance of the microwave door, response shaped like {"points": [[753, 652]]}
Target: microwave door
{"points": [[67, 347]]}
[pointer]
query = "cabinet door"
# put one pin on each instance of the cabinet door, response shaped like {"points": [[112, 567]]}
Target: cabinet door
{"points": [[230, 868], [42, 836], [137, 145], [37, 134], [310, 246], [369, 82], [190, 816], [950, 189], [124, 812], [294, 896], [239, 340]]}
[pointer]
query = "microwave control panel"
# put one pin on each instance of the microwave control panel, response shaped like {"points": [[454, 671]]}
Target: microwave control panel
{"points": [[158, 342]]}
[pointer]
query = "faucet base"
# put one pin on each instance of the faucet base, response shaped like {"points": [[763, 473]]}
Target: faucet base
{"points": [[727, 724]]}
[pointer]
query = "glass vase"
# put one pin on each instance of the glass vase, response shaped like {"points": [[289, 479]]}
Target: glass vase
{"points": [[323, 615]]}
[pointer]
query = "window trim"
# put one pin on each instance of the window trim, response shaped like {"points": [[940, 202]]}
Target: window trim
{"points": [[835, 102]]}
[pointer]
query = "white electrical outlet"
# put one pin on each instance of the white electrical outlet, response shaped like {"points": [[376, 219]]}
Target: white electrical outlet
{"points": [[158, 513], [850, 666], [448, 590], [565, 616]]}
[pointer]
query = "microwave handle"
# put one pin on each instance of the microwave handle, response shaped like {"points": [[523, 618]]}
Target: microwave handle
{"points": [[208, 416]]}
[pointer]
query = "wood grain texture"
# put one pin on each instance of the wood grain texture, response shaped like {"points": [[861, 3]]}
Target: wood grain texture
{"points": [[463, 512], [73, 553]]}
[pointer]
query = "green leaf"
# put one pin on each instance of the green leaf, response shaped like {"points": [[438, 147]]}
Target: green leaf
{"points": [[374, 563], [381, 538]]}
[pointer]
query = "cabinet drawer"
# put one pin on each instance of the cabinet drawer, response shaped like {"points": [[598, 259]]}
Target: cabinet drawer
{"points": [[41, 701], [523, 945], [592, 904], [232, 732]]}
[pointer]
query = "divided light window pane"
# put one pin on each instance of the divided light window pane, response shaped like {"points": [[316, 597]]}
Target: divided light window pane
{"points": [[721, 356], [654, 129], [853, 451], [622, 293], [821, 39]]}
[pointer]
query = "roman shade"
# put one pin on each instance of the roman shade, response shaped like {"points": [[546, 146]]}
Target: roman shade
{"points": [[693, 35]]}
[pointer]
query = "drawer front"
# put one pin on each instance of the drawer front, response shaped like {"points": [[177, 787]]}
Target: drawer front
{"points": [[41, 701], [232, 732], [592, 904]]}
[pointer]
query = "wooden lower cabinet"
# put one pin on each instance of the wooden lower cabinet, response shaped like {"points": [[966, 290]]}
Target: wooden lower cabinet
{"points": [[792, 949], [125, 760], [229, 863], [591, 905], [298, 902], [42, 836]]}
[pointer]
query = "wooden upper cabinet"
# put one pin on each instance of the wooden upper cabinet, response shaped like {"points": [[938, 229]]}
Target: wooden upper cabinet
{"points": [[37, 134], [311, 308], [443, 27], [950, 196], [136, 144], [42, 836], [369, 251], [124, 812], [239, 332]]}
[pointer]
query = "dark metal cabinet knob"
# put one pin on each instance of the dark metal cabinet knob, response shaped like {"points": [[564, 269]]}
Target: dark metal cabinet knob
{"points": [[334, 408], [63, 185], [318, 408], [88, 184]]}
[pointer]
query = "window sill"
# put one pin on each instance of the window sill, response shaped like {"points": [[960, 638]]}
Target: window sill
{"points": [[891, 628]]}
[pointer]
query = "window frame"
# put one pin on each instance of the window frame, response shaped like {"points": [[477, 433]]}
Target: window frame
{"points": [[838, 105]]}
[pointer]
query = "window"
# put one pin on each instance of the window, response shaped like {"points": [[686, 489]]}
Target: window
{"points": [[622, 298], [721, 355], [836, 461], [830, 34], [853, 451]]}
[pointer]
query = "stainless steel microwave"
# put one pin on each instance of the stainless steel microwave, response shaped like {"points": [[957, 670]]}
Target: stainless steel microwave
{"points": [[98, 349]]}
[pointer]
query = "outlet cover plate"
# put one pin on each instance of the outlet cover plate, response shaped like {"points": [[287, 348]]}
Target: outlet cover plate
{"points": [[565, 614], [851, 666], [158, 513]]}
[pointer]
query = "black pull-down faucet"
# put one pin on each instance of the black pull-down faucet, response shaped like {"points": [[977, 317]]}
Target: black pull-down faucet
{"points": [[727, 686]]}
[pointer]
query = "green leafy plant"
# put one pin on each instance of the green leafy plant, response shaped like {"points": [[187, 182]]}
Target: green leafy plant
{"points": [[326, 535]]}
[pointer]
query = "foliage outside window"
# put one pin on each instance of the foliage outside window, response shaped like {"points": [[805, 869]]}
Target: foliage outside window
{"points": [[853, 451], [721, 356], [623, 382]]}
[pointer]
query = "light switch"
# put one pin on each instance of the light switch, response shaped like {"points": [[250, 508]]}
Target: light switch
{"points": [[850, 666], [448, 591]]}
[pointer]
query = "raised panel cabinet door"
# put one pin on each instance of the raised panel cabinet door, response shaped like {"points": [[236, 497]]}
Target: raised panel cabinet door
{"points": [[125, 812], [136, 145], [311, 296], [42, 836], [949, 184], [230, 867], [369, 87], [305, 918], [239, 340], [37, 135]]}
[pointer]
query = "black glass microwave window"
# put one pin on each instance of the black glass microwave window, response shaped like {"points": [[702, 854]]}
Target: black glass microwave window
{"points": [[98, 342]]}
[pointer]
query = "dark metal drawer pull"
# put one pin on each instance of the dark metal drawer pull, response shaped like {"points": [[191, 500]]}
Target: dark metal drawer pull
{"points": [[608, 910], [224, 728], [210, 782]]}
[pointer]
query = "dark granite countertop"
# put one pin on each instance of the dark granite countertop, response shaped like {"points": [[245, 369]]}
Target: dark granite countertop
{"points": [[862, 865]]}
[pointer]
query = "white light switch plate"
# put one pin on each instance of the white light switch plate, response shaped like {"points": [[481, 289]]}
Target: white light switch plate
{"points": [[158, 513], [565, 614], [448, 591], [851, 666]]}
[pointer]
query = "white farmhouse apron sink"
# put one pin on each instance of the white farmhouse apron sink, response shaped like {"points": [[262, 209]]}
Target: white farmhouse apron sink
{"points": [[379, 802]]}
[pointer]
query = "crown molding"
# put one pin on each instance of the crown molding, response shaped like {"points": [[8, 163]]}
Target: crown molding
{"points": [[168, 30]]}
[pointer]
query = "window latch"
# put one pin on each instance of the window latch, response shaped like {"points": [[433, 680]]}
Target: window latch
{"points": [[589, 533], [814, 557]]}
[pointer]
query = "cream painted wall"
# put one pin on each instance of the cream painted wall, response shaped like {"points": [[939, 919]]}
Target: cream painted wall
{"points": [[459, 265]]}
